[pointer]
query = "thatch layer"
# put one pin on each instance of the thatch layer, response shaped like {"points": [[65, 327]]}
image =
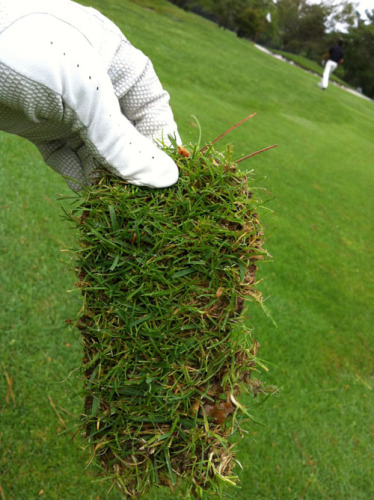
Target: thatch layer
{"points": [[165, 275]]}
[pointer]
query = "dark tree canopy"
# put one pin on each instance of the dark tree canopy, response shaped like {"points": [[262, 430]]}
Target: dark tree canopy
{"points": [[300, 27]]}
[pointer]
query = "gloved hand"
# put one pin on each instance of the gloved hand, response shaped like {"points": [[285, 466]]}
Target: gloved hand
{"points": [[71, 83]]}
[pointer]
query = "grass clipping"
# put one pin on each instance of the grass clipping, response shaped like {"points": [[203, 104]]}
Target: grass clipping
{"points": [[165, 275]]}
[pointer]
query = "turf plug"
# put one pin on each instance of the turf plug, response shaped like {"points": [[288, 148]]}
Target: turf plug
{"points": [[167, 276]]}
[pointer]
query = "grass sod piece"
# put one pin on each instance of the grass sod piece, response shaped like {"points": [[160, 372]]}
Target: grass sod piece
{"points": [[165, 275]]}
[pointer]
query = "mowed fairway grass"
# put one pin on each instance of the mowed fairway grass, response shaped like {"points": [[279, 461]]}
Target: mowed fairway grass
{"points": [[317, 440]]}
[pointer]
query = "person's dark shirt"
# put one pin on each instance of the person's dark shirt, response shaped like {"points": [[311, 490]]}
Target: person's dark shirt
{"points": [[336, 53]]}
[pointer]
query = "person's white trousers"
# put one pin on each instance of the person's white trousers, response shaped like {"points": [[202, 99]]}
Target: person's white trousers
{"points": [[330, 66]]}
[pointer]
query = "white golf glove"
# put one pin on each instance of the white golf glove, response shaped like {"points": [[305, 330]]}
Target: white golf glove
{"points": [[71, 83]]}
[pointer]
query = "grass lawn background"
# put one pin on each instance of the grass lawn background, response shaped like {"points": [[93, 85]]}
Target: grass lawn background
{"points": [[318, 437]]}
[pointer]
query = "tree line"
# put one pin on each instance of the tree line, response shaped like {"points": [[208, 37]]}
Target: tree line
{"points": [[301, 28]]}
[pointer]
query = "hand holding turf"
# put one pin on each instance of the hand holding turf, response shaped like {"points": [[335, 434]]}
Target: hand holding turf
{"points": [[71, 83]]}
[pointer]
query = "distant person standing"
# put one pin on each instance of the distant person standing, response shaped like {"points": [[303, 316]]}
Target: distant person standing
{"points": [[334, 57]]}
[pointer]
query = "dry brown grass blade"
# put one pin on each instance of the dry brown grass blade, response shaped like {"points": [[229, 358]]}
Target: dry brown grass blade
{"points": [[228, 131], [10, 387], [256, 153], [57, 413]]}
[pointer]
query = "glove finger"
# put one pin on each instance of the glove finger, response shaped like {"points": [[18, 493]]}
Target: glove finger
{"points": [[62, 159]]}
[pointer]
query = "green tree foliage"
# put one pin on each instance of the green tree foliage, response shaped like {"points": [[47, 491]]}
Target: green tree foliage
{"points": [[251, 22], [184, 4], [302, 27], [359, 56], [225, 11], [342, 13], [288, 17], [248, 22]]}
